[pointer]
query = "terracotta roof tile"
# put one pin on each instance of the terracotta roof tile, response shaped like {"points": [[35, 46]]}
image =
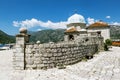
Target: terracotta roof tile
{"points": [[116, 43], [98, 24], [73, 29]]}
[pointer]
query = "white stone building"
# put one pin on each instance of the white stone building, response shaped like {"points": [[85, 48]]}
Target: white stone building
{"points": [[102, 27], [76, 28]]}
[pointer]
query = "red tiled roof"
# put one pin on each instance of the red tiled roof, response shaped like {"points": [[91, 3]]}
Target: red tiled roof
{"points": [[98, 24], [73, 29], [116, 43]]}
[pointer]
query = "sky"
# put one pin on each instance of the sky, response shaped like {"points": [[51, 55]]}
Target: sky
{"points": [[38, 15]]}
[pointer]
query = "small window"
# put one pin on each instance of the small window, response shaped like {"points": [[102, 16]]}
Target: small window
{"points": [[71, 37]]}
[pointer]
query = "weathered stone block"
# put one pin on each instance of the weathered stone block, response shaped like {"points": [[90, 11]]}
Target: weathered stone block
{"points": [[19, 50], [36, 55], [19, 55], [19, 59], [34, 66], [59, 54], [45, 55], [30, 61], [19, 64], [53, 58], [58, 45], [40, 66], [45, 61], [18, 68]]}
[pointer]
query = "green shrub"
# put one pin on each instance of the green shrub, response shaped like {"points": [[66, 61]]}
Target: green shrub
{"points": [[105, 47], [108, 42]]}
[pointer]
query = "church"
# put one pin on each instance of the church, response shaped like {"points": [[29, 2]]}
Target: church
{"points": [[76, 29]]}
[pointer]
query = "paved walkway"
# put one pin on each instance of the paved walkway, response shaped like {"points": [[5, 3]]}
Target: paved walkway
{"points": [[104, 66]]}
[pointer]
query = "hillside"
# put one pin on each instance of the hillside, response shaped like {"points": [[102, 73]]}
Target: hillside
{"points": [[5, 38], [115, 32], [45, 36]]}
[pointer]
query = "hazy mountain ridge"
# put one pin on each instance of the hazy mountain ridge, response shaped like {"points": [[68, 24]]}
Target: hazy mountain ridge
{"points": [[45, 36], [5, 38]]}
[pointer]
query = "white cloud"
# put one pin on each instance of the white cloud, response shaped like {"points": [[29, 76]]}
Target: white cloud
{"points": [[108, 17], [90, 20], [34, 22], [16, 23], [115, 23]]}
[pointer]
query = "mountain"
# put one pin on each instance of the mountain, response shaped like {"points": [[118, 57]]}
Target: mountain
{"points": [[45, 36], [5, 38], [115, 32]]}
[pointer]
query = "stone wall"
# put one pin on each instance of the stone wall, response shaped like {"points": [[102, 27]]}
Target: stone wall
{"points": [[43, 56], [50, 55]]}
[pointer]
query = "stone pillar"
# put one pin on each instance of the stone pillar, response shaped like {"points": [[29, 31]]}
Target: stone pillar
{"points": [[19, 53], [100, 43]]}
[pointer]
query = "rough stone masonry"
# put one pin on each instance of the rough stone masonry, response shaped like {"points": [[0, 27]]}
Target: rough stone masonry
{"points": [[51, 55]]}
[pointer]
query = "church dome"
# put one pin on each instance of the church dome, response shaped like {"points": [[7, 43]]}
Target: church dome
{"points": [[76, 18]]}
